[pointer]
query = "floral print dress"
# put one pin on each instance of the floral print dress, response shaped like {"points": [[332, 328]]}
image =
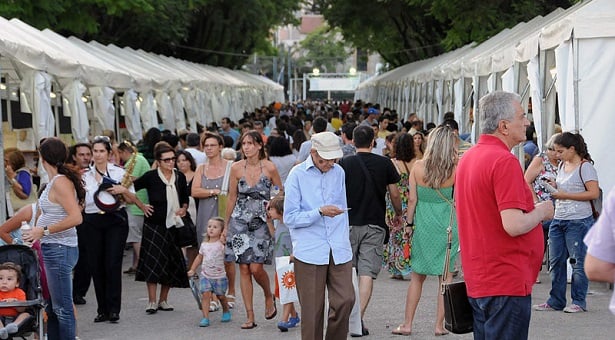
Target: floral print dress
{"points": [[248, 239], [396, 254]]}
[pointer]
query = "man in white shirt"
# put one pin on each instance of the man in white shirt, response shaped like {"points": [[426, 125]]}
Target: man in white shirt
{"points": [[193, 142]]}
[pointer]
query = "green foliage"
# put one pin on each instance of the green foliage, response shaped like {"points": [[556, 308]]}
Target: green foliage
{"points": [[216, 32], [324, 47], [398, 30], [403, 31]]}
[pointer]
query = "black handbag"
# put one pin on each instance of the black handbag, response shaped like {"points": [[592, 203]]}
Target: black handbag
{"points": [[186, 236], [458, 315]]}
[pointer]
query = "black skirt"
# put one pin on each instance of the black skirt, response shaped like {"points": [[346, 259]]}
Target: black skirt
{"points": [[161, 261]]}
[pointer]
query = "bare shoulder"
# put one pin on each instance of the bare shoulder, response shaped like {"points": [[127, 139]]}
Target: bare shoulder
{"points": [[237, 167], [63, 183], [269, 165]]}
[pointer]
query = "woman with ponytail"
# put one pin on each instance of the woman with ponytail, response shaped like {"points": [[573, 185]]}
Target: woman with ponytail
{"points": [[60, 211], [577, 185]]}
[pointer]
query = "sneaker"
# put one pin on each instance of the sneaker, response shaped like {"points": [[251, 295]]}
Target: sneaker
{"points": [[151, 308], [226, 317], [294, 320], [204, 322], [283, 326], [165, 306], [543, 307], [574, 308]]}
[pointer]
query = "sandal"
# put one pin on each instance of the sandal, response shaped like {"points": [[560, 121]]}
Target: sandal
{"points": [[399, 331], [275, 311], [231, 304], [248, 325], [214, 306]]}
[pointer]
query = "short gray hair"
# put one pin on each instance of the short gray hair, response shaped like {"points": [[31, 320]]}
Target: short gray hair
{"points": [[494, 107]]}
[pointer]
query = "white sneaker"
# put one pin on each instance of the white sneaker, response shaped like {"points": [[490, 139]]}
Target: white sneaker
{"points": [[574, 308]]}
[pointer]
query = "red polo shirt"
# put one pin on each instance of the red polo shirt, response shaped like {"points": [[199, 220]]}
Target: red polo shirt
{"points": [[489, 179]]}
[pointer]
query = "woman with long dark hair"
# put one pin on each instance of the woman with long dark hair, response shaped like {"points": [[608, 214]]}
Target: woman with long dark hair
{"points": [[397, 252], [577, 185], [248, 239], [59, 206]]}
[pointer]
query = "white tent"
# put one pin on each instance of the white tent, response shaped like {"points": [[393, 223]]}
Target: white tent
{"points": [[34, 60], [566, 52]]}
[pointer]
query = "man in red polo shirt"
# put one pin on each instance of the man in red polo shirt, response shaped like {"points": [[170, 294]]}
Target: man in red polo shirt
{"points": [[499, 225]]}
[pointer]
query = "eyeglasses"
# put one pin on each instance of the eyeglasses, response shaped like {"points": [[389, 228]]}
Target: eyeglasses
{"points": [[167, 160], [210, 145]]}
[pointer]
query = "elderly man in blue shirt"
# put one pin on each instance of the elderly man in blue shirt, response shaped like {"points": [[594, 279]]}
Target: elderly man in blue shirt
{"points": [[315, 212]]}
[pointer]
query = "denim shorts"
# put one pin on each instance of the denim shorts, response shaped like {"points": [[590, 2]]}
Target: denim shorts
{"points": [[217, 286]]}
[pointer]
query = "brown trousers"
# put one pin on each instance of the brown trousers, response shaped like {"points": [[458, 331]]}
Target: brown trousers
{"points": [[311, 283]]}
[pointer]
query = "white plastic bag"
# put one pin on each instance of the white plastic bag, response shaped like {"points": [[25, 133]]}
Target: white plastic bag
{"points": [[286, 280]]}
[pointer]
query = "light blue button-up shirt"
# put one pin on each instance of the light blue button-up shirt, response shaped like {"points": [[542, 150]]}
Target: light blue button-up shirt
{"points": [[313, 236]]}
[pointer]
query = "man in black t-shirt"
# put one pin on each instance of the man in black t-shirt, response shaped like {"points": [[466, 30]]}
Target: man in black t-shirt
{"points": [[368, 177]]}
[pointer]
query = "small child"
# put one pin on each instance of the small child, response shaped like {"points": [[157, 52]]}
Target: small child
{"points": [[283, 247], [213, 276], [10, 274]]}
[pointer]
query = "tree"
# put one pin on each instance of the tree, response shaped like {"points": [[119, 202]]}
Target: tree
{"points": [[403, 31], [400, 32], [215, 32], [324, 48]]}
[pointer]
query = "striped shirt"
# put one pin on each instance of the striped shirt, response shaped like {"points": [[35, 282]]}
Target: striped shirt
{"points": [[53, 213]]}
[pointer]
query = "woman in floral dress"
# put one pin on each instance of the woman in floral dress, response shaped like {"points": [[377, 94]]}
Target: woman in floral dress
{"points": [[248, 239], [397, 251]]}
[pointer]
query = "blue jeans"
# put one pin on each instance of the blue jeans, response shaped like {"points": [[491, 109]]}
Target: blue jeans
{"points": [[566, 241], [59, 262], [501, 317]]}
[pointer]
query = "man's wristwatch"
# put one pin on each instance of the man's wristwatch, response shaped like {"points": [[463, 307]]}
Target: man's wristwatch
{"points": [[46, 231], [320, 212]]}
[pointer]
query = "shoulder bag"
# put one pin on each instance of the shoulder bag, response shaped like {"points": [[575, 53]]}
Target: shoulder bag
{"points": [[458, 316], [185, 236], [595, 203], [223, 196]]}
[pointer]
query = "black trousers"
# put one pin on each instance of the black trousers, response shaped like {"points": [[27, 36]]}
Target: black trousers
{"points": [[105, 238], [81, 275]]}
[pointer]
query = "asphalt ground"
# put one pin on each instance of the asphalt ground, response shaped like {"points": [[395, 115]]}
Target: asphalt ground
{"points": [[384, 313]]}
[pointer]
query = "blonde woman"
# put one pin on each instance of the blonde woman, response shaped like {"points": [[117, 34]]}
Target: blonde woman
{"points": [[430, 204]]}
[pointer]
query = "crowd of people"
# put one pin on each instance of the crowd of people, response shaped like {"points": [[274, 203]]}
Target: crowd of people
{"points": [[338, 188]]}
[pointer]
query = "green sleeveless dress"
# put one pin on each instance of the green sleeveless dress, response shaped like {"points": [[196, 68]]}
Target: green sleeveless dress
{"points": [[431, 219]]}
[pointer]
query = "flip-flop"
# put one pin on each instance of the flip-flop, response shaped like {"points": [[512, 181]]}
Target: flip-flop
{"points": [[248, 325], [440, 333], [275, 311], [398, 331]]}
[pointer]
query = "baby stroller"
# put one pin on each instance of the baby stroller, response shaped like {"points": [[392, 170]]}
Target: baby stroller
{"points": [[30, 282]]}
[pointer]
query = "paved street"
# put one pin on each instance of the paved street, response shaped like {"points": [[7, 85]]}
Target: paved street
{"points": [[385, 312]]}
